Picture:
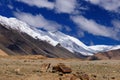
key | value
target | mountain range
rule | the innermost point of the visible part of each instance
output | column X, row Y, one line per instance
column 17, row 37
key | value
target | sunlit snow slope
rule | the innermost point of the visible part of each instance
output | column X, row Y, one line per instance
column 54, row 38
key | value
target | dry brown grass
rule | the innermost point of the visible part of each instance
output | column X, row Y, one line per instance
column 29, row 68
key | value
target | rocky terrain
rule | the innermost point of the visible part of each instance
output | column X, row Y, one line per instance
column 109, row 55
column 42, row 68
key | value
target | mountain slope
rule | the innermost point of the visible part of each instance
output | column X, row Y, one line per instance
column 14, row 42
column 70, row 43
column 113, row 54
column 76, row 46
column 23, row 27
column 54, row 38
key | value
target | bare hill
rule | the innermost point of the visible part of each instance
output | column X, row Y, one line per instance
column 110, row 55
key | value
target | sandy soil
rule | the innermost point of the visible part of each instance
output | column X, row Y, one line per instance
column 29, row 68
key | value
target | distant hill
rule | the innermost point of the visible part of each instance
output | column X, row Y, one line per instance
column 113, row 54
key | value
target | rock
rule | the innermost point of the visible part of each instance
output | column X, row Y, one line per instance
column 45, row 67
column 82, row 76
column 94, row 76
column 112, row 77
column 62, row 68
column 18, row 71
column 60, row 74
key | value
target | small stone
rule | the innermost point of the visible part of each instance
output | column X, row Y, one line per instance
column 60, row 74
column 112, row 77
column 17, row 70
column 94, row 76
column 45, row 67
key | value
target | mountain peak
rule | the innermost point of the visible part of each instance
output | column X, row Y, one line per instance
column 23, row 27
column 68, row 42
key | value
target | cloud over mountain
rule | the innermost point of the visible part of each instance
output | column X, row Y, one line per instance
column 88, row 20
column 38, row 21
column 94, row 28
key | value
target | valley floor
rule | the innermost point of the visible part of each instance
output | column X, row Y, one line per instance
column 29, row 68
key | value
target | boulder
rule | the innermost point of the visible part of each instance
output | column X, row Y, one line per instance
column 62, row 68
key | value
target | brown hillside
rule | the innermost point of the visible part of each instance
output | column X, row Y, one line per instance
column 114, row 54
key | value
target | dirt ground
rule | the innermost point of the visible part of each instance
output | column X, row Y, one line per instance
column 30, row 68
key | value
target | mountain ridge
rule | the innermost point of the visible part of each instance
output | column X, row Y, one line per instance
column 54, row 38
column 18, row 43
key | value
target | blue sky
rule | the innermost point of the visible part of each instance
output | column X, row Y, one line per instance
column 94, row 22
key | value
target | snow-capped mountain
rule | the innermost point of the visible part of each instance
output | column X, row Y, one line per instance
column 75, row 45
column 70, row 43
column 23, row 27
column 54, row 38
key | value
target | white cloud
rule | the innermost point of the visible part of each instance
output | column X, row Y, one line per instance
column 38, row 21
column 60, row 6
column 116, row 23
column 94, row 28
column 111, row 5
column 65, row 6
column 39, row 3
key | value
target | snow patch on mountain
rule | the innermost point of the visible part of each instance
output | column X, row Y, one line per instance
column 115, row 47
column 54, row 38
column 70, row 43
column 23, row 27
column 100, row 48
